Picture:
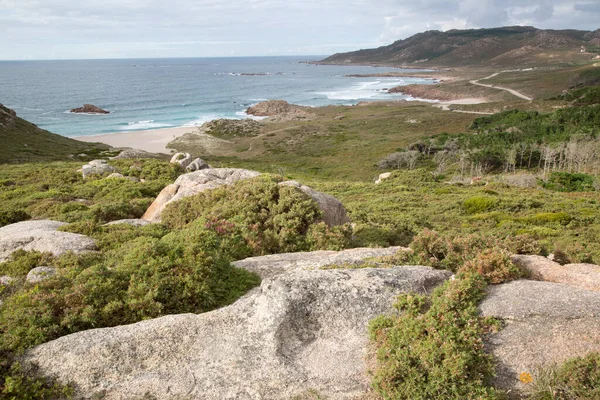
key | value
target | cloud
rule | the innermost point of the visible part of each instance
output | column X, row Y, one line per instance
column 197, row 28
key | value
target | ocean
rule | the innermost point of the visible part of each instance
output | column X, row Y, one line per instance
column 161, row 93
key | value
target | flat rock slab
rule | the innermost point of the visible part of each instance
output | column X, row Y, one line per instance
column 132, row 222
column 271, row 265
column 546, row 323
column 299, row 333
column 41, row 236
column 586, row 276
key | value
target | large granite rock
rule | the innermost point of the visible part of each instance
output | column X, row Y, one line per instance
column 89, row 109
column 586, row 276
column 197, row 165
column 334, row 212
column 545, row 323
column 97, row 167
column 182, row 159
column 41, row 236
column 300, row 333
column 194, row 183
column 137, row 154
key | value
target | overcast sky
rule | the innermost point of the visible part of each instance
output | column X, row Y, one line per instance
column 67, row 29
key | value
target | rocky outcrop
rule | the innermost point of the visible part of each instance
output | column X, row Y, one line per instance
column 545, row 323
column 136, row 153
column 39, row 274
column 41, row 236
column 280, row 110
column 230, row 128
column 586, row 276
column 334, row 212
column 193, row 183
column 132, row 222
column 275, row 264
column 8, row 117
column 182, row 159
column 300, row 333
column 197, row 165
column 89, row 109
column 97, row 167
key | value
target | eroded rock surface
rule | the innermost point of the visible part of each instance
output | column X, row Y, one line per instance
column 275, row 264
column 301, row 332
column 41, row 236
column 545, row 323
column 181, row 159
column 586, row 276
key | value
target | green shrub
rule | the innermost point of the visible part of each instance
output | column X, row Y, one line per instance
column 187, row 271
column 494, row 265
column 21, row 262
column 566, row 182
column 479, row 204
column 577, row 378
column 270, row 218
column 17, row 383
column 433, row 349
column 12, row 216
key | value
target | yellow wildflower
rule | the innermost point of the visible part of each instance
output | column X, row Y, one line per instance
column 526, row 377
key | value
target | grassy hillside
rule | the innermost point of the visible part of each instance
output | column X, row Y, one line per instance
column 499, row 47
column 23, row 141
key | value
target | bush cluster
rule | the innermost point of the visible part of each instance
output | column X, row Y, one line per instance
column 577, row 378
column 433, row 349
column 271, row 218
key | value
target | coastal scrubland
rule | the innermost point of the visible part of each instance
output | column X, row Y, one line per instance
column 465, row 192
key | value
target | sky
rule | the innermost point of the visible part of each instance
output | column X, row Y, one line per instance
column 81, row 29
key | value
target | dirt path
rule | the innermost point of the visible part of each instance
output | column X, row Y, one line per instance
column 511, row 91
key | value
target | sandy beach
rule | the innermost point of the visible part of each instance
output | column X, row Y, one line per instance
column 154, row 141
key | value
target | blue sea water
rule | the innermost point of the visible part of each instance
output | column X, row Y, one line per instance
column 160, row 93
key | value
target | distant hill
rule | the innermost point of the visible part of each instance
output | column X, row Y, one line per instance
column 506, row 46
column 22, row 141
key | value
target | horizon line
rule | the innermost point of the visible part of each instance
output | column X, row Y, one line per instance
column 160, row 58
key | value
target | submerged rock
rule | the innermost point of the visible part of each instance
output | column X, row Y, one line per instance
column 41, row 236
column 89, row 109
column 301, row 332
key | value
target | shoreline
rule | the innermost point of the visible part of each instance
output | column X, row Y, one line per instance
column 151, row 140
